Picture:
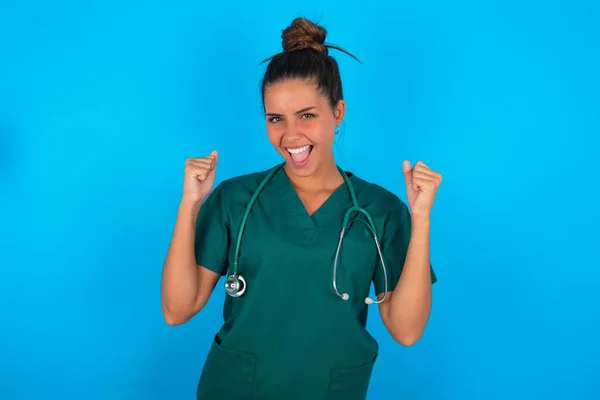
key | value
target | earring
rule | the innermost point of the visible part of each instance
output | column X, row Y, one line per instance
column 337, row 129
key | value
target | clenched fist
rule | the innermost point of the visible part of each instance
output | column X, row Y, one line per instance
column 199, row 177
column 422, row 184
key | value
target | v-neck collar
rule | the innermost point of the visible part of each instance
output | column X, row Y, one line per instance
column 296, row 211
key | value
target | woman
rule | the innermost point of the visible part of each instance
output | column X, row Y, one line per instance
column 295, row 316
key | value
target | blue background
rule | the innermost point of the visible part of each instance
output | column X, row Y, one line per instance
column 102, row 102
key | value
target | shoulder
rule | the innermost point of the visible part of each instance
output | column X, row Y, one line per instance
column 376, row 198
column 244, row 182
column 235, row 192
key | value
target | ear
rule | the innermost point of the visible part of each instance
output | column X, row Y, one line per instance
column 339, row 111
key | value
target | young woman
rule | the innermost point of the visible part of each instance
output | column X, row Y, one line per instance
column 297, row 283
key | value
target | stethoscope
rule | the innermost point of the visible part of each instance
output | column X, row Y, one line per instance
column 235, row 285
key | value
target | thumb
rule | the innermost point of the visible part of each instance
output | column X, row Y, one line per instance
column 406, row 168
column 213, row 172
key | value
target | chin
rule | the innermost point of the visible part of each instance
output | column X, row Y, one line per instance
column 304, row 170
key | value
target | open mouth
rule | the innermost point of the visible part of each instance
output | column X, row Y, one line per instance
column 300, row 154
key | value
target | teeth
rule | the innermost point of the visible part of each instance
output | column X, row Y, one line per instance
column 299, row 150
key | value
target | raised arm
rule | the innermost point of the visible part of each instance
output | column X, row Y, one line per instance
column 186, row 286
column 406, row 311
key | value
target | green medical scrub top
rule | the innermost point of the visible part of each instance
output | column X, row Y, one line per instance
column 290, row 336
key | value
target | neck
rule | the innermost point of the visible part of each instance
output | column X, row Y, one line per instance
column 326, row 177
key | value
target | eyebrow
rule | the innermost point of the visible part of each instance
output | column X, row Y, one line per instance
column 297, row 112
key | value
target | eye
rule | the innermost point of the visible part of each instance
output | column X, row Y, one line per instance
column 308, row 115
column 274, row 119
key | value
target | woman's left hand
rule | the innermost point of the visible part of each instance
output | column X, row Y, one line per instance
column 421, row 187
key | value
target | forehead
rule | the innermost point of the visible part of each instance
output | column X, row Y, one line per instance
column 293, row 95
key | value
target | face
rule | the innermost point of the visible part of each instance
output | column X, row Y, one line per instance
column 301, row 125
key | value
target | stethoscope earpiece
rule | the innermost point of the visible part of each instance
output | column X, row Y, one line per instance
column 368, row 300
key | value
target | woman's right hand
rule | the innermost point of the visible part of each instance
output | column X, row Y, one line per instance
column 199, row 177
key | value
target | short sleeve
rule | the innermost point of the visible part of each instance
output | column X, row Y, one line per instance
column 212, row 232
column 394, row 239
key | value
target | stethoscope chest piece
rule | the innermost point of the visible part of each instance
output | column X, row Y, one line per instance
column 235, row 285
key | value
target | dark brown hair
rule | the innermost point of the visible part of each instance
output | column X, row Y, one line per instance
column 306, row 56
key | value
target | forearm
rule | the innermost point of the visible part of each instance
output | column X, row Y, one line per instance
column 411, row 300
column 180, row 273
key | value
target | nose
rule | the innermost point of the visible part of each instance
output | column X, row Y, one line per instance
column 292, row 130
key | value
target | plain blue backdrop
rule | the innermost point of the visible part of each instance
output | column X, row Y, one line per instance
column 102, row 102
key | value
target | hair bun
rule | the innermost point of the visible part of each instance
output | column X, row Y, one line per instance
column 304, row 34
